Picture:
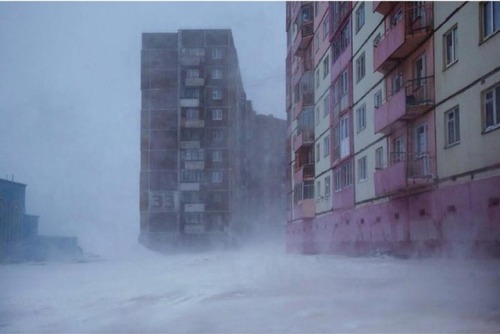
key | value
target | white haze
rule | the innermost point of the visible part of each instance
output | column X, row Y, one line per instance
column 259, row 289
column 70, row 102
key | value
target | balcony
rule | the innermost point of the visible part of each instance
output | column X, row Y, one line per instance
column 194, row 165
column 192, row 60
column 304, row 173
column 405, row 173
column 193, row 123
column 405, row 104
column 305, row 32
column 190, row 103
column 383, row 7
column 198, row 207
column 190, row 144
column 406, row 32
column 305, row 209
column 305, row 137
column 194, row 82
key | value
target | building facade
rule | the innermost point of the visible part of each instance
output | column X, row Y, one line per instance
column 194, row 139
column 412, row 128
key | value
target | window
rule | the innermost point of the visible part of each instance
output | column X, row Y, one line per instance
column 490, row 16
column 326, row 105
column 361, row 118
column 317, row 152
column 491, row 100
column 327, row 186
column 191, row 175
column 216, row 155
column 192, row 154
column 192, row 114
column 317, row 78
column 452, row 123
column 397, row 83
column 345, row 36
column 192, row 73
column 316, row 8
column 316, row 43
column 450, row 47
column 326, row 146
column 346, row 175
column 360, row 17
column 344, row 137
column 317, row 115
column 216, row 94
column 362, row 169
column 379, row 158
column 191, row 93
column 318, row 189
column 338, row 180
column 377, row 97
column 326, row 27
column 217, row 114
column 343, row 83
column 399, row 150
column 326, row 66
column 217, row 134
column 217, row 53
column 217, row 73
column 216, row 176
column 360, row 67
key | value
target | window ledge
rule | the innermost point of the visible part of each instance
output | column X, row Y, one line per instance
column 487, row 38
column 447, row 66
column 451, row 145
column 491, row 128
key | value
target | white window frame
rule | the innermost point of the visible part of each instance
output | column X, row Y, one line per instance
column 217, row 114
column 494, row 26
column 450, row 50
column 217, row 176
column 344, row 137
column 216, row 155
column 192, row 114
column 216, row 93
column 452, row 127
column 317, row 115
column 217, row 73
column 361, row 118
column 326, row 66
column 318, row 152
column 398, row 149
column 337, row 180
column 377, row 99
column 318, row 189
column 344, row 83
column 326, row 146
column 362, row 169
column 326, row 105
column 360, row 67
column 192, row 73
column 360, row 16
column 327, row 187
column 346, row 175
column 490, row 106
column 217, row 53
column 379, row 158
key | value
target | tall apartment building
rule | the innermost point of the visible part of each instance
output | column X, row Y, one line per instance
column 194, row 138
column 411, row 134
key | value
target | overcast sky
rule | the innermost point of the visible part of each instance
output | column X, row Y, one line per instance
column 70, row 100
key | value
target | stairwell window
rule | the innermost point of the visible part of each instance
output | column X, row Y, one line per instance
column 450, row 47
column 452, row 124
column 362, row 169
column 217, row 114
column 361, row 118
column 360, row 67
column 490, row 17
column 360, row 17
column 491, row 107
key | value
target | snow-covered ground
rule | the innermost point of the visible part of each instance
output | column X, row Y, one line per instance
column 256, row 289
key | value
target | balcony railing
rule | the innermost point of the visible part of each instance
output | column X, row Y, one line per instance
column 405, row 104
column 304, row 137
column 408, row 28
column 406, row 172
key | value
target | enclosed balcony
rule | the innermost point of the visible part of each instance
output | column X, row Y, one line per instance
column 193, row 123
column 190, row 102
column 406, row 172
column 383, row 7
column 407, row 29
column 305, row 30
column 304, row 206
column 405, row 104
column 194, row 82
column 304, row 173
column 305, row 209
column 304, row 137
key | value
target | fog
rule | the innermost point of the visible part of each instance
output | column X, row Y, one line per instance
column 70, row 102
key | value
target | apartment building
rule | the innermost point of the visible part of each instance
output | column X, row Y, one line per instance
column 194, row 139
column 413, row 119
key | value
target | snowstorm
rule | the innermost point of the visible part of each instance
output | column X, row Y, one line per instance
column 109, row 249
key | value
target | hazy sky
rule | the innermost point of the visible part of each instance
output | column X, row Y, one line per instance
column 70, row 100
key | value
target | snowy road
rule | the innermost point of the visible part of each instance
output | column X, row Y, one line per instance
column 253, row 290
